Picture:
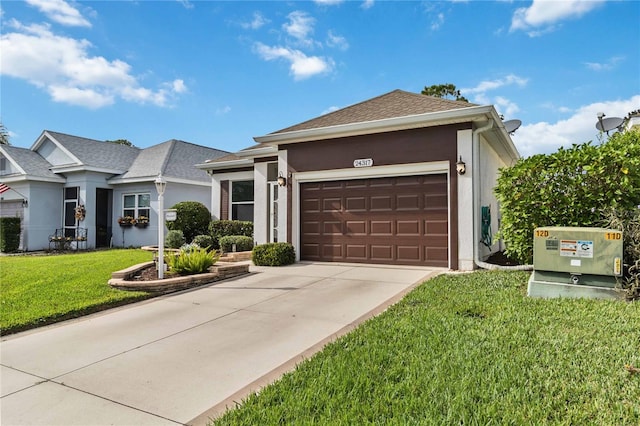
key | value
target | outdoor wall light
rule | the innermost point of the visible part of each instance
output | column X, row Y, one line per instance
column 282, row 181
column 461, row 167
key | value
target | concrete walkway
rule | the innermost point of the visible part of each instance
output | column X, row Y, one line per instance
column 183, row 358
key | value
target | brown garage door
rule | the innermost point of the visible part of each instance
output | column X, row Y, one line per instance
column 400, row 220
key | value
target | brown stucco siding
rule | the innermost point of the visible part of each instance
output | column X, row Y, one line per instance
column 224, row 200
column 392, row 148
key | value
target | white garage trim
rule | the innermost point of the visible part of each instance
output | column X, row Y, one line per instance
column 412, row 169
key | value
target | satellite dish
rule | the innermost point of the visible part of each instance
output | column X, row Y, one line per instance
column 512, row 125
column 610, row 123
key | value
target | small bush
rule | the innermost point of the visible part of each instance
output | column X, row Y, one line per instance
column 204, row 241
column 174, row 239
column 223, row 228
column 9, row 234
column 191, row 260
column 242, row 243
column 273, row 254
column 192, row 219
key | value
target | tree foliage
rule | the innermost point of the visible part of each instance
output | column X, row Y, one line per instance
column 571, row 187
column 192, row 219
column 4, row 135
column 445, row 91
column 121, row 142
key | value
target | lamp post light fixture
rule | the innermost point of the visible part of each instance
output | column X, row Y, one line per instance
column 161, row 185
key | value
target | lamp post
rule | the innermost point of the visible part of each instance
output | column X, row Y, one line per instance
column 161, row 185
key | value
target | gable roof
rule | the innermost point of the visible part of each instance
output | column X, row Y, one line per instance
column 92, row 153
column 396, row 103
column 31, row 165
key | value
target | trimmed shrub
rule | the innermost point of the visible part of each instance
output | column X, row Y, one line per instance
column 9, row 234
column 223, row 228
column 192, row 219
column 273, row 254
column 204, row 241
column 174, row 239
column 191, row 260
column 242, row 243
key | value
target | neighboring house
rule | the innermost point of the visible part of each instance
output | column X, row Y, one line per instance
column 375, row 182
column 62, row 172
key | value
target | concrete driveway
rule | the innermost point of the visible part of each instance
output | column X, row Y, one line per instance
column 182, row 358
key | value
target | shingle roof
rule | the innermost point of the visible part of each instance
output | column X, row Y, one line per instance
column 94, row 153
column 174, row 158
column 397, row 103
column 31, row 162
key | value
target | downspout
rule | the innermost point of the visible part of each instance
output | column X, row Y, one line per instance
column 475, row 171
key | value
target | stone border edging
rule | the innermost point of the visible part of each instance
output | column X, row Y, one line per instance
column 122, row 279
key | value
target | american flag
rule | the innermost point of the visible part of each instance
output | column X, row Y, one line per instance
column 4, row 188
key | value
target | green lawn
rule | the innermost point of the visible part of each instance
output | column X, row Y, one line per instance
column 468, row 349
column 37, row 290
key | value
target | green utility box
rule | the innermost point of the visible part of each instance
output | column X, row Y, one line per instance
column 576, row 262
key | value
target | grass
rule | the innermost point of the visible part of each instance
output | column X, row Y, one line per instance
column 39, row 290
column 468, row 349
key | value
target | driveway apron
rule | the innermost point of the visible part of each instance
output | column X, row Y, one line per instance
column 186, row 357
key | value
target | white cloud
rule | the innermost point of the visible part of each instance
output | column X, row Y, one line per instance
column 367, row 4
column 63, row 67
column 224, row 110
column 543, row 137
column 610, row 64
column 505, row 107
column 330, row 109
column 301, row 65
column 334, row 40
column 257, row 22
column 543, row 15
column 487, row 85
column 437, row 22
column 328, row 2
column 186, row 3
column 61, row 12
column 300, row 25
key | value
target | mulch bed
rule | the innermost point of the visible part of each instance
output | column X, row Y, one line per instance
column 501, row 259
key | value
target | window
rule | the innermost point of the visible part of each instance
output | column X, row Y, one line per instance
column 242, row 200
column 136, row 205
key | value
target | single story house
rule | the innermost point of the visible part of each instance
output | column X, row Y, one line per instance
column 402, row 178
column 77, row 184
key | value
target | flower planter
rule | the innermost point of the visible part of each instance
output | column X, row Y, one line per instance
column 126, row 225
column 141, row 225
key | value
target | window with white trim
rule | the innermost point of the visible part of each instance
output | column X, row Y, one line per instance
column 136, row 205
column 242, row 200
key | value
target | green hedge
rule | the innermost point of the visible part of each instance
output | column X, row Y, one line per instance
column 9, row 234
column 273, row 254
column 243, row 243
column 204, row 241
column 223, row 228
column 174, row 239
column 192, row 218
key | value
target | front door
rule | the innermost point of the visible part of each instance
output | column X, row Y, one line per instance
column 273, row 212
column 104, row 199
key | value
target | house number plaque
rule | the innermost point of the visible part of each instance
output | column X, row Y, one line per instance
column 363, row 162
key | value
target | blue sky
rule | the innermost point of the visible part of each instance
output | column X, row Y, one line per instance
column 219, row 73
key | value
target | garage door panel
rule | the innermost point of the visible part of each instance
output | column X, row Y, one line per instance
column 356, row 252
column 402, row 220
column 405, row 227
column 356, row 227
column 356, row 204
column 381, row 203
column 382, row 252
column 409, row 254
column 381, row 228
column 408, row 202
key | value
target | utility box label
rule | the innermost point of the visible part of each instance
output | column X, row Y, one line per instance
column 576, row 248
